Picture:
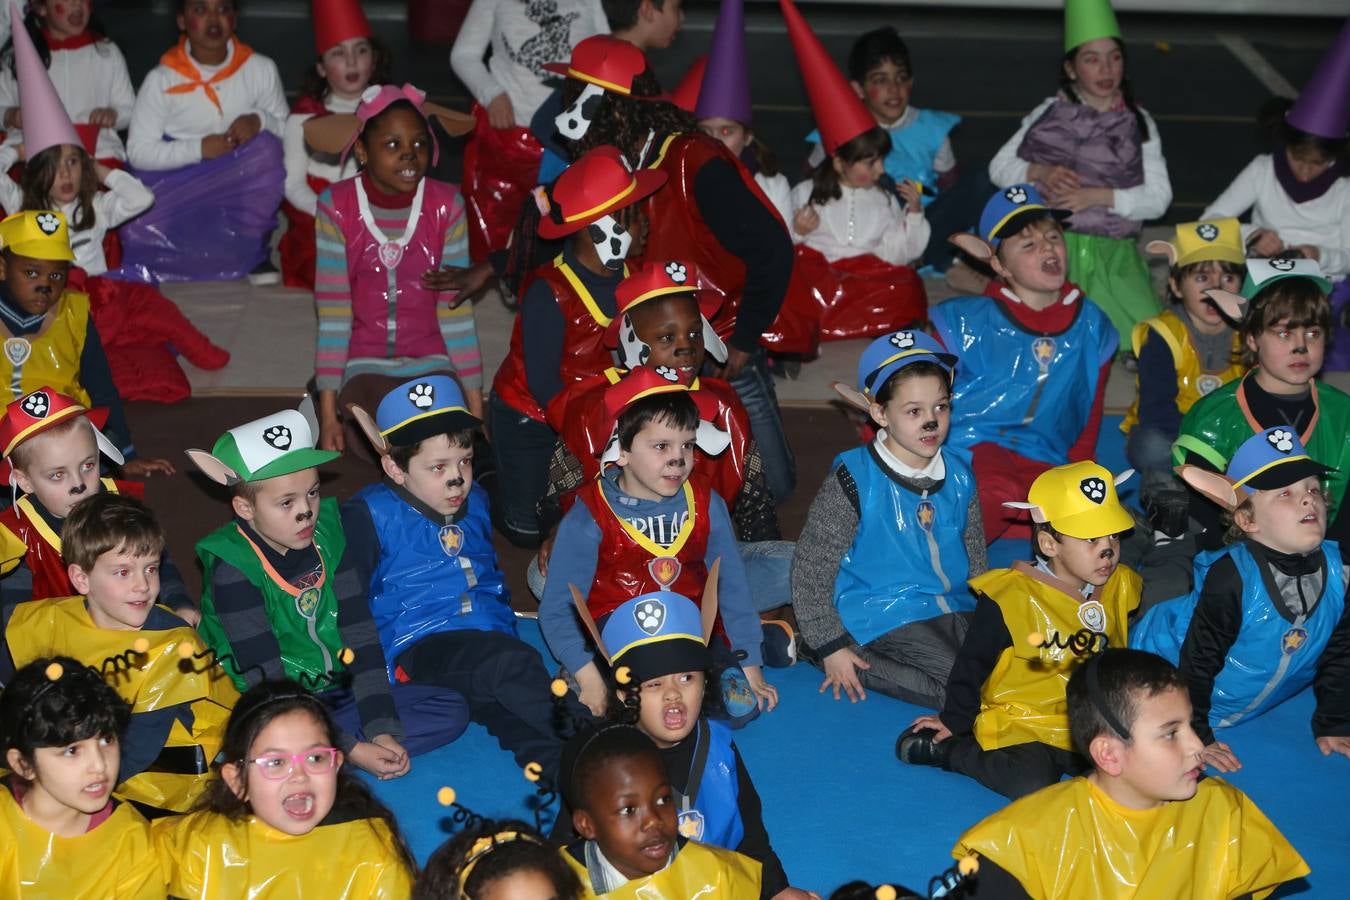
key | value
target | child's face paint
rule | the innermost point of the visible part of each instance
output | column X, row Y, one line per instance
column 733, row 135
column 209, row 25
column 1191, row 288
column 284, row 509
column 885, row 91
column 35, row 285
column 629, row 810
column 669, row 706
column 120, row 589
column 1034, row 261
column 1288, row 355
column 916, row 419
column 1079, row 561
column 347, row 67
column 440, row 474
column 78, row 776
column 61, row 470
column 1291, row 519
column 69, row 175
column 659, row 462
column 1161, row 761
column 673, row 328
column 295, row 804
column 1097, row 70
column 864, row 173
column 395, row 150
column 64, row 19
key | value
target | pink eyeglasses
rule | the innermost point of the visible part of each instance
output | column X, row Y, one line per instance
column 279, row 766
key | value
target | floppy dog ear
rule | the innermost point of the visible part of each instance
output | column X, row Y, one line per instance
column 708, row 605
column 1211, row 484
column 584, row 613
column 369, row 429
column 1232, row 307
column 1163, row 248
column 331, row 133
column 975, row 245
column 852, row 396
column 455, row 123
column 213, row 468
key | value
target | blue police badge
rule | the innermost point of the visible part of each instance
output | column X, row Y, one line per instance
column 452, row 538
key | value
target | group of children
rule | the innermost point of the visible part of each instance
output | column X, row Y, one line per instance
column 637, row 444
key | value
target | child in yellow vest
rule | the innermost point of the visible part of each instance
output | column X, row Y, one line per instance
column 1005, row 722
column 112, row 546
column 1141, row 823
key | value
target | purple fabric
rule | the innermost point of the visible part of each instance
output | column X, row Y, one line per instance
column 1303, row 191
column 1104, row 148
column 726, row 82
column 1338, row 354
column 1323, row 108
column 211, row 221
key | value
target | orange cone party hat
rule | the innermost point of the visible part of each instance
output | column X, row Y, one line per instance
column 336, row 21
column 840, row 115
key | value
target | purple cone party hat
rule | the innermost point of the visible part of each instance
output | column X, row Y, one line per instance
column 725, row 93
column 1323, row 108
column 45, row 120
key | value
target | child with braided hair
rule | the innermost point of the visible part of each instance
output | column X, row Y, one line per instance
column 497, row 860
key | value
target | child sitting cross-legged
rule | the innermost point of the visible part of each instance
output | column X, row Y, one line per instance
column 1142, row 822
column 1004, row 722
column 280, row 599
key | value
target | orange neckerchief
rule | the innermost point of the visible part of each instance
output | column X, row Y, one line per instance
column 181, row 62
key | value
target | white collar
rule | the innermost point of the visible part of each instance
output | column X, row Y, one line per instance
column 336, row 104
column 935, row 470
column 609, row 877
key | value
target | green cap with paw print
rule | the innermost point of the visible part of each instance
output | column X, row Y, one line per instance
column 269, row 447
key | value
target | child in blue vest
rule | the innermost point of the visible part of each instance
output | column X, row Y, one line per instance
column 1035, row 354
column 421, row 539
column 279, row 599
column 1268, row 616
column 879, row 578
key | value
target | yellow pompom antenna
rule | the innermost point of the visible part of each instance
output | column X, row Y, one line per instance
column 346, row 655
column 886, row 892
column 968, row 865
column 533, row 771
column 140, row 645
column 446, row 796
column 54, row 671
column 1036, row 639
column 186, row 650
column 623, row 675
column 559, row 688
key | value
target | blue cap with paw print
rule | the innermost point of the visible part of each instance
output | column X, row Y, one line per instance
column 1012, row 209
column 1271, row 459
column 890, row 353
column 422, row 408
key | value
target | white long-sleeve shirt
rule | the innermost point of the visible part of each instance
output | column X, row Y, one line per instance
column 125, row 198
column 87, row 78
column 1145, row 201
column 1323, row 223
column 187, row 118
column 779, row 192
column 301, row 163
column 523, row 34
column 863, row 220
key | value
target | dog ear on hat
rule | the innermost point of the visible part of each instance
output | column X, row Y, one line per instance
column 454, row 122
column 973, row 244
column 1163, row 248
column 852, row 396
column 1233, row 307
column 369, row 429
column 213, row 468
column 1212, row 485
column 1037, row 515
column 708, row 604
column 584, row 612
column 332, row 133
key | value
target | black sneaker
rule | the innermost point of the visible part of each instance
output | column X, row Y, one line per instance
column 918, row 748
column 265, row 274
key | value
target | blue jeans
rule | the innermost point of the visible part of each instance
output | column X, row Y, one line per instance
column 755, row 387
column 768, row 569
column 522, row 448
column 1149, row 451
column 955, row 210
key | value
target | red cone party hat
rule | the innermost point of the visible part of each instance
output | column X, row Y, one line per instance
column 839, row 113
column 336, row 21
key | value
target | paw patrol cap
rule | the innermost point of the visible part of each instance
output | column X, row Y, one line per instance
column 1262, row 273
column 1274, row 458
column 37, row 234
column 422, row 408
column 656, row 634
column 1078, row 499
column 890, row 353
column 1218, row 239
column 1012, row 209
column 269, row 447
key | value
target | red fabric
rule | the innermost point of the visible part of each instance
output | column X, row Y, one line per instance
column 1086, row 445
column 500, row 169
column 297, row 244
column 85, row 38
column 1003, row 476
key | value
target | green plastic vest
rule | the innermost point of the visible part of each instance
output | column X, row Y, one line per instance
column 305, row 622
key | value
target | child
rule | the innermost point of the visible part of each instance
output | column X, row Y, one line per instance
column 142, row 330
column 565, row 310
column 614, row 774
column 383, row 239
column 494, row 860
column 864, row 228
column 646, row 525
column 350, row 59
column 1285, row 320
column 52, row 446
column 284, row 814
column 113, row 545
column 1004, row 720
column 662, row 639
column 1035, row 355
column 205, row 137
column 277, row 601
column 64, row 834
column 1142, row 823
column 1279, row 584
column 421, row 542
column 1091, row 150
column 1298, row 194
column 87, row 70
column 1184, row 354
column 878, row 582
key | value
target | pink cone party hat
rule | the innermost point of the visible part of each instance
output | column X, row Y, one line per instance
column 1323, row 108
column 45, row 120
column 839, row 113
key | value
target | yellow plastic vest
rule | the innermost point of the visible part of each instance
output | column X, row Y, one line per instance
column 156, row 679
column 1193, row 381
column 116, row 859
column 51, row 357
column 1023, row 698
column 1071, row 841
column 209, row 857
column 699, row 870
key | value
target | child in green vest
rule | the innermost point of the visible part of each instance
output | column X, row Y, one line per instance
column 277, row 603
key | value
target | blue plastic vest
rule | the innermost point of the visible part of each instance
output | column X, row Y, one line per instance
column 908, row 561
column 433, row 578
column 1028, row 392
column 714, row 816
column 914, row 147
column 1272, row 658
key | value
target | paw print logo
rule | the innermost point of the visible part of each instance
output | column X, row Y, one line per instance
column 422, row 395
column 903, row 340
column 1282, row 265
column 279, row 436
column 668, row 373
column 1281, row 440
column 677, row 272
column 50, row 223
column 1207, row 231
column 37, row 404
column 649, row 615
column 1016, row 194
column 1093, row 488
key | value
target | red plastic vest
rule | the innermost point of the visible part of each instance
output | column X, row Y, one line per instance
column 583, row 340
